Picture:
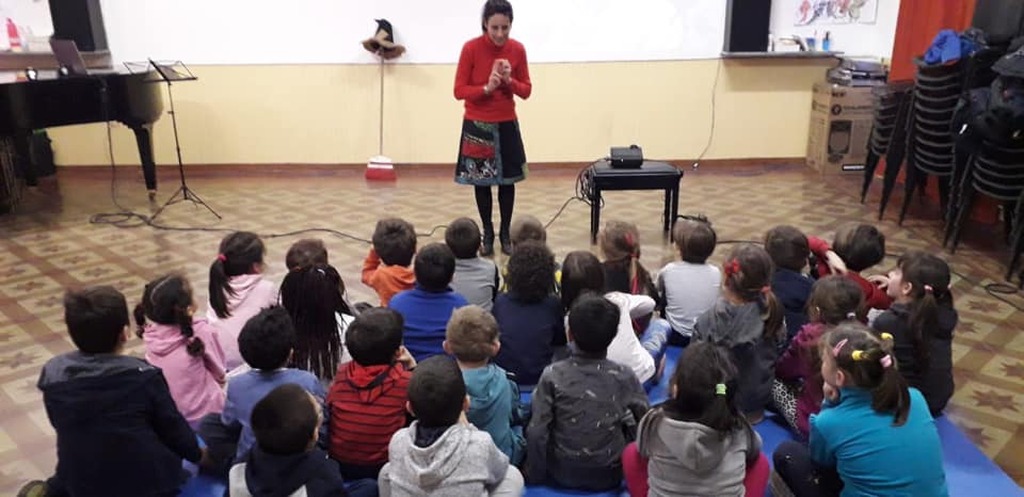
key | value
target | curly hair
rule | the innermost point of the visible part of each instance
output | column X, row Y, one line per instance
column 531, row 272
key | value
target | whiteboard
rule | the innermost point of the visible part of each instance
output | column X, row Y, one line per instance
column 433, row 31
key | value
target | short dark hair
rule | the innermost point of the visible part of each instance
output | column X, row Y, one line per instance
column 526, row 228
column 835, row 299
column 581, row 273
column 463, row 237
column 695, row 239
column 267, row 339
column 531, row 272
column 495, row 7
column 306, row 252
column 96, row 317
column 471, row 333
column 375, row 336
column 285, row 420
column 860, row 246
column 394, row 240
column 437, row 392
column 435, row 266
column 593, row 322
column 787, row 247
column 237, row 254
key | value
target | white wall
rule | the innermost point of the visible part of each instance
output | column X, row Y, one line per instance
column 874, row 40
column 32, row 13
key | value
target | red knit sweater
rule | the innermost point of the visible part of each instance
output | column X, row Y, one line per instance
column 874, row 297
column 367, row 406
column 475, row 65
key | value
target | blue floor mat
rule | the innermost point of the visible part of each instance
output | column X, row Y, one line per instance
column 969, row 472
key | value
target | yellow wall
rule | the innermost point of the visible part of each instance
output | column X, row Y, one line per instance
column 329, row 113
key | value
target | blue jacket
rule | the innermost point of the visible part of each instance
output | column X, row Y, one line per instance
column 426, row 316
column 118, row 430
column 531, row 335
column 792, row 289
column 872, row 456
column 245, row 390
column 493, row 402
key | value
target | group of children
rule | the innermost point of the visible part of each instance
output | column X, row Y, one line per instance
column 293, row 388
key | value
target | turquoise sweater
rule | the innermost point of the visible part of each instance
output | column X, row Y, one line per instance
column 872, row 456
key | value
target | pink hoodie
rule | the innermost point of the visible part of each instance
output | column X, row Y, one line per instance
column 252, row 293
column 196, row 382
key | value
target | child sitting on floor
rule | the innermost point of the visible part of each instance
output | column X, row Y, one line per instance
column 266, row 342
column 530, row 318
column 368, row 397
column 304, row 253
column 476, row 278
column 386, row 268
column 747, row 320
column 118, row 430
column 623, row 272
column 441, row 454
column 873, row 436
column 285, row 461
column 922, row 320
column 690, row 286
column 585, row 408
column 855, row 249
column 237, row 290
column 796, row 392
column 427, row 308
column 185, row 349
column 697, row 442
column 789, row 251
column 472, row 337
column 314, row 298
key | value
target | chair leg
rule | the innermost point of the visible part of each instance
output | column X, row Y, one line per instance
column 957, row 199
column 944, row 187
column 965, row 211
column 869, row 173
column 913, row 180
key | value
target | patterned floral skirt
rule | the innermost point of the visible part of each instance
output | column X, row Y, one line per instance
column 490, row 154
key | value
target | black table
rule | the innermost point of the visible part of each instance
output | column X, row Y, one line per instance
column 650, row 176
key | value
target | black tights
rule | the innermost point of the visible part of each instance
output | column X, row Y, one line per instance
column 506, row 200
column 803, row 477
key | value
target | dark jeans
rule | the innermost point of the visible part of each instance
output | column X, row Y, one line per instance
column 802, row 475
column 352, row 472
column 677, row 340
column 362, row 488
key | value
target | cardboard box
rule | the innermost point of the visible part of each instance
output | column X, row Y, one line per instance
column 841, row 118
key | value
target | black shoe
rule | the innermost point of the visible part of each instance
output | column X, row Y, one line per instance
column 506, row 244
column 487, row 246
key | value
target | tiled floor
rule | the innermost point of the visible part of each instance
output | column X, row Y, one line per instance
column 49, row 244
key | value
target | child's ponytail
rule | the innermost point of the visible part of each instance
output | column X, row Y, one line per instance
column 167, row 300
column 774, row 320
column 195, row 346
column 870, row 365
column 240, row 253
column 140, row 317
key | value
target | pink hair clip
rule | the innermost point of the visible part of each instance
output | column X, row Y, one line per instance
column 839, row 347
column 222, row 257
column 928, row 289
column 886, row 361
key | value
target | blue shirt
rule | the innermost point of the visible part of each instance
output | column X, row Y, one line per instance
column 872, row 456
column 245, row 390
column 426, row 316
column 530, row 334
column 792, row 289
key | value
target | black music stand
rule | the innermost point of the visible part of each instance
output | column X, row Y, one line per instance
column 173, row 72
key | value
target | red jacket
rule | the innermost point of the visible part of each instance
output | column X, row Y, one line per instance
column 475, row 65
column 367, row 407
column 874, row 297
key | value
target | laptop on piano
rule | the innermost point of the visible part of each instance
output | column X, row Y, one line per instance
column 67, row 55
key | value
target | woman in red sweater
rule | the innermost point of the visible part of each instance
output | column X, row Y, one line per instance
column 492, row 70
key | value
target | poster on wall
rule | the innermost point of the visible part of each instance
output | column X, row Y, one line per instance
column 823, row 12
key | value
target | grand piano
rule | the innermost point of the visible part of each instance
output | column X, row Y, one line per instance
column 50, row 101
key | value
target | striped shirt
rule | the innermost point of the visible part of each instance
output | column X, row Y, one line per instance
column 367, row 406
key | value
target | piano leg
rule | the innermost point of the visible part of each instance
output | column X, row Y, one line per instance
column 23, row 157
column 144, row 139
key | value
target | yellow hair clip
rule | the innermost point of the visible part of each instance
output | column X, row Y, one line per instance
column 720, row 389
column 857, row 355
column 887, row 337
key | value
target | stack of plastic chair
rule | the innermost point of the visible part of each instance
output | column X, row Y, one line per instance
column 937, row 90
column 997, row 171
column 888, row 131
column 1017, row 240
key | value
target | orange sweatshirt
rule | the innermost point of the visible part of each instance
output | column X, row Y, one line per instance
column 386, row 280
